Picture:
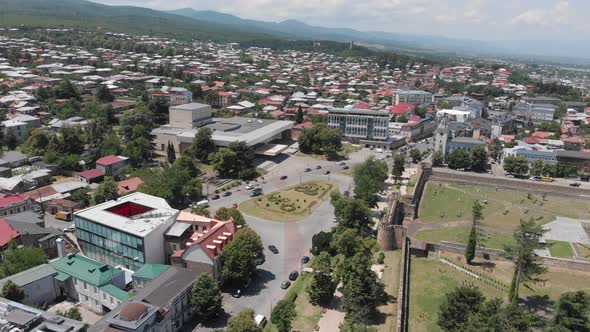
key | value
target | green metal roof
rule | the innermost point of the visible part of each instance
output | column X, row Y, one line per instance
column 150, row 271
column 86, row 269
column 116, row 292
column 62, row 276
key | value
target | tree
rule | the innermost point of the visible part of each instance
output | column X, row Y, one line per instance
column 72, row 313
column 240, row 256
column 12, row 292
column 106, row 191
column 402, row 118
column 437, row 159
column 10, row 139
column 459, row 159
column 103, row 94
column 322, row 287
column 398, row 167
column 111, row 144
column 360, row 288
column 224, row 213
column 516, row 165
column 16, row 260
column 299, row 115
column 66, row 90
column 537, row 168
column 572, row 313
column 351, row 212
column 346, row 242
column 457, row 306
column 139, row 151
column 243, row 322
column 203, row 145
column 70, row 162
column 477, row 212
column 170, row 153
column 283, row 314
column 495, row 149
column 71, row 140
column 206, row 298
column 320, row 242
column 368, row 180
column 320, row 139
column 527, row 265
column 244, row 156
column 479, row 159
column 416, row 155
column 224, row 161
column 201, row 211
column 36, row 143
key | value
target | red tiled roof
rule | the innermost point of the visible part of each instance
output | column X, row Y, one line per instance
column 7, row 233
column 362, row 105
column 40, row 192
column 542, row 134
column 12, row 199
column 108, row 160
column 531, row 140
column 304, row 125
column 207, row 241
column 91, row 173
column 402, row 108
column 129, row 185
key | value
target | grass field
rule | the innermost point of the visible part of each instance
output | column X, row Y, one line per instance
column 460, row 234
column 583, row 250
column 504, row 208
column 430, row 280
column 388, row 312
column 307, row 315
column 560, row 249
column 290, row 204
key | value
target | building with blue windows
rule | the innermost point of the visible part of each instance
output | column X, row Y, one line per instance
column 127, row 232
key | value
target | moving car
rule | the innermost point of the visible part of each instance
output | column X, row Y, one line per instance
column 345, row 167
column 318, row 167
column 342, row 164
column 256, row 192
column 284, row 177
column 203, row 203
column 575, row 184
column 69, row 229
column 273, row 249
column 285, row 284
column 226, row 194
column 260, row 321
column 305, row 259
column 214, row 197
column 327, row 172
column 293, row 275
column 547, row 179
column 249, row 187
column 307, row 170
column 237, row 293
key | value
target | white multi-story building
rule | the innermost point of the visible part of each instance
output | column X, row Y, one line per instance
column 361, row 126
column 415, row 97
column 127, row 232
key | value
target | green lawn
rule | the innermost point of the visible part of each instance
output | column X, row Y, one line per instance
column 583, row 250
column 560, row 249
column 460, row 234
column 290, row 204
column 443, row 202
column 307, row 315
column 390, row 281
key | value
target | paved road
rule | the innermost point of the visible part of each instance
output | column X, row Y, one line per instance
column 293, row 239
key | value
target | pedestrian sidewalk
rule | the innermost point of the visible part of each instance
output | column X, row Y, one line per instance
column 332, row 317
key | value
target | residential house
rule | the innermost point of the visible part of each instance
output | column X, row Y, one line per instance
column 17, row 317
column 112, row 165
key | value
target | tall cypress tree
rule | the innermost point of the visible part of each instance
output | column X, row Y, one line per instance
column 170, row 153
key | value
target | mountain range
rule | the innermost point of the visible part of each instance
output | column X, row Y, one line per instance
column 206, row 24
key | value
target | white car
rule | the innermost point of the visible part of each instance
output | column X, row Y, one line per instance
column 71, row 228
column 260, row 320
column 249, row 187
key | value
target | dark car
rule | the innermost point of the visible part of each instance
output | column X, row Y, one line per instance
column 305, row 259
column 318, row 167
column 227, row 193
column 293, row 275
column 345, row 167
column 285, row 284
column 307, row 170
column 327, row 172
column 237, row 293
column 273, row 249
column 256, row 192
column 214, row 197
column 575, row 184
column 284, row 177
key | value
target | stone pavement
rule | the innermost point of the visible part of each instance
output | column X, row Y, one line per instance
column 333, row 317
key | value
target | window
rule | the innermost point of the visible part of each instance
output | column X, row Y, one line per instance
column 111, row 299
column 95, row 290
column 85, row 286
column 104, row 296
column 95, row 302
column 75, row 282
column 85, row 298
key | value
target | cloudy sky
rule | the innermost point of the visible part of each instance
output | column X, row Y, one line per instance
column 475, row 19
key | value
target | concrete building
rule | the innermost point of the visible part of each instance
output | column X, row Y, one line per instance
column 581, row 160
column 186, row 120
column 38, row 283
column 17, row 317
column 531, row 155
column 128, row 231
column 95, row 285
column 415, row 97
column 465, row 143
column 361, row 126
column 20, row 124
column 473, row 106
column 536, row 112
column 112, row 165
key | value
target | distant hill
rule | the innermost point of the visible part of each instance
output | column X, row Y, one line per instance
column 128, row 19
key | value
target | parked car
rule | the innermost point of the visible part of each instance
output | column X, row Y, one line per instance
column 273, row 249
column 249, row 187
column 305, row 259
column 293, row 275
column 284, row 177
column 256, row 192
column 307, row 170
column 342, row 164
column 575, row 184
column 318, row 167
column 345, row 167
column 535, row 178
column 69, row 229
column 285, row 284
column 260, row 321
column 214, row 197
column 327, row 172
column 237, row 293
column 226, row 194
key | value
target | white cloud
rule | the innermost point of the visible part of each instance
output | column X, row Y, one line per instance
column 558, row 14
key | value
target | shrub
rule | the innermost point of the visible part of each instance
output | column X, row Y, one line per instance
column 381, row 258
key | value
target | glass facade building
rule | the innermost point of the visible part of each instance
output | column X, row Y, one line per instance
column 108, row 245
